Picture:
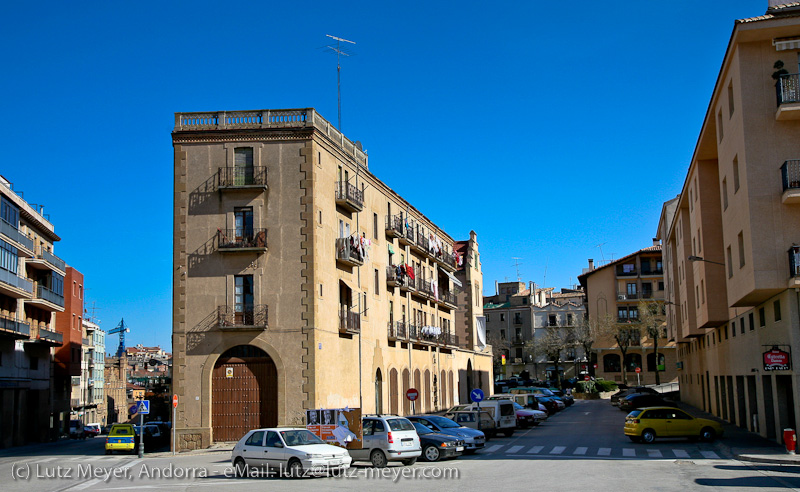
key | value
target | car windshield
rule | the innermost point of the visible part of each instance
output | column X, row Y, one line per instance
column 422, row 429
column 443, row 422
column 634, row 414
column 400, row 424
column 518, row 406
column 300, row 438
column 463, row 417
column 121, row 431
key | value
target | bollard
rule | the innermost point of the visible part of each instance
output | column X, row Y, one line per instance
column 790, row 440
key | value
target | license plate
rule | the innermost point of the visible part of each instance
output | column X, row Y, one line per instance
column 460, row 448
column 336, row 462
column 408, row 444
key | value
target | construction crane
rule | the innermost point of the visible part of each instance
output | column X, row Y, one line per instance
column 121, row 329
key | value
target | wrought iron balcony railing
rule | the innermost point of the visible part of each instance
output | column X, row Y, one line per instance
column 349, row 321
column 394, row 225
column 790, row 174
column 623, row 273
column 242, row 239
column 450, row 298
column 242, row 177
column 255, row 316
column 349, row 196
column 397, row 330
column 788, row 88
column 348, row 252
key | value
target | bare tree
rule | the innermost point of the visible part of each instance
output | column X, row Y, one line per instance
column 552, row 344
column 625, row 334
column 533, row 350
column 652, row 322
column 584, row 334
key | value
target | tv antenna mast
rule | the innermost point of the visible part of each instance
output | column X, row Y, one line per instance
column 516, row 265
column 340, row 51
column 601, row 251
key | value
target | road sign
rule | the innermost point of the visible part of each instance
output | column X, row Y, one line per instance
column 476, row 395
column 133, row 408
column 174, row 400
column 595, row 366
column 412, row 394
column 638, row 370
column 586, row 378
column 143, row 407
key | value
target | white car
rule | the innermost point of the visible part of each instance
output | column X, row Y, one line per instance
column 292, row 451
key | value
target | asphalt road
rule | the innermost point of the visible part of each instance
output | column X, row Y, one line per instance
column 581, row 448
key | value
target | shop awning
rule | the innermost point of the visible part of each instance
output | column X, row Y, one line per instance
column 453, row 278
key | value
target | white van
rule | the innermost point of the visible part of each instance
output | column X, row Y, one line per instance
column 503, row 413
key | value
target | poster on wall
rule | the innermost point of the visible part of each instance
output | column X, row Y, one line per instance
column 776, row 359
column 337, row 426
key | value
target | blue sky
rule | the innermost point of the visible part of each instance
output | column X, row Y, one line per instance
column 546, row 129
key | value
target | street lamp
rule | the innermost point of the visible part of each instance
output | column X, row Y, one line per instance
column 700, row 258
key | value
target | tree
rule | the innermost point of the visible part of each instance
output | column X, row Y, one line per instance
column 624, row 334
column 553, row 343
column 584, row 333
column 651, row 321
column 533, row 350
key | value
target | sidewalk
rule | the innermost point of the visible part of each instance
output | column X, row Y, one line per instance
column 220, row 447
column 744, row 445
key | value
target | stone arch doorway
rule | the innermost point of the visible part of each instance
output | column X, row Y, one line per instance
column 244, row 392
column 393, row 392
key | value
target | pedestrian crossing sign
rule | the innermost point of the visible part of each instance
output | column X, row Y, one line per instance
column 144, row 407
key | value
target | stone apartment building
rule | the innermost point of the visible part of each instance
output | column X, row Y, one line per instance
column 303, row 281
column 732, row 236
column 614, row 292
column 31, row 292
column 517, row 321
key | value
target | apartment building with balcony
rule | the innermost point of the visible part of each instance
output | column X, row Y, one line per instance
column 94, row 353
column 31, row 283
column 614, row 292
column 69, row 381
column 302, row 281
column 519, row 318
column 731, row 236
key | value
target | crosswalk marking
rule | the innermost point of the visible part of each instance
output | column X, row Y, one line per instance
column 558, row 449
column 653, row 453
column 709, row 455
column 494, row 448
column 46, row 460
column 604, row 452
column 580, row 451
column 628, row 452
column 679, row 453
column 514, row 449
column 535, row 449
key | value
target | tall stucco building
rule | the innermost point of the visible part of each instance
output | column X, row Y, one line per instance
column 615, row 292
column 31, row 292
column 731, row 237
column 303, row 281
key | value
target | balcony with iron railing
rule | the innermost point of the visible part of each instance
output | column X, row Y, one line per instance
column 790, row 178
column 652, row 272
column 787, row 90
column 627, row 296
column 242, row 178
column 14, row 328
column 244, row 317
column 50, row 337
column 621, row 272
column 397, row 330
column 447, row 298
column 46, row 260
column 15, row 286
column 398, row 279
column 423, row 287
column 21, row 239
column 421, row 243
column 43, row 293
column 241, row 240
column 394, row 226
column 409, row 236
column 447, row 260
column 349, row 196
column 349, row 321
column 348, row 251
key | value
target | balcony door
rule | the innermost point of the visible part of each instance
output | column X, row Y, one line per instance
column 243, row 220
column 243, row 166
column 243, row 299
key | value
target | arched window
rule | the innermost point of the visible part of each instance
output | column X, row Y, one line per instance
column 632, row 361
column 611, row 363
column 378, row 392
column 651, row 361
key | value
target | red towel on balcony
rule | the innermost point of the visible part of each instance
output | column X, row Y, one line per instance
column 410, row 272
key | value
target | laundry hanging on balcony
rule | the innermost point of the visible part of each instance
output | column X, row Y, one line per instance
column 435, row 289
column 431, row 331
column 391, row 249
column 410, row 271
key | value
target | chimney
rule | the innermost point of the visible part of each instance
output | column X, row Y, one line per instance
column 496, row 290
column 656, row 242
column 591, row 264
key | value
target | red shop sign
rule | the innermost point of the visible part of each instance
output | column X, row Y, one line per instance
column 776, row 360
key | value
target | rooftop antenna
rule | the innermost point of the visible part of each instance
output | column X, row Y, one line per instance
column 339, row 52
column 601, row 251
column 93, row 309
column 544, row 282
column 517, row 264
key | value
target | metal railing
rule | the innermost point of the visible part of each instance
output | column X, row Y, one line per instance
column 255, row 315
column 349, row 193
column 625, row 296
column 423, row 285
column 423, row 242
column 788, row 88
column 413, row 331
column 447, row 258
column 348, row 252
column 50, row 336
column 394, row 225
column 15, row 280
column 621, row 273
column 790, row 174
column 233, row 177
column 241, row 238
column 653, row 271
column 450, row 298
column 13, row 233
column 48, row 295
column 14, row 325
column 349, row 321
column 53, row 260
column 397, row 330
column 408, row 233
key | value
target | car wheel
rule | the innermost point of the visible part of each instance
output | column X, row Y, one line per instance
column 707, row 434
column 409, row 461
column 635, row 438
column 295, row 469
column 239, row 468
column 108, row 451
column 378, row 459
column 508, row 433
column 431, row 453
column 648, row 436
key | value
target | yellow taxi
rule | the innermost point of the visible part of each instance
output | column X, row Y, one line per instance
column 121, row 437
column 645, row 424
